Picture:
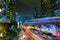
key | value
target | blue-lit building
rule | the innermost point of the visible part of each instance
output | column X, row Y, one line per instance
column 57, row 8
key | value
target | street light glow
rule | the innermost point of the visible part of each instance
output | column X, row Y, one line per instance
column 0, row 10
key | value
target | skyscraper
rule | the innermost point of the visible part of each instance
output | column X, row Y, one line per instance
column 10, row 9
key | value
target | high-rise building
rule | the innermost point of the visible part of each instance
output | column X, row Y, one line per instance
column 11, row 7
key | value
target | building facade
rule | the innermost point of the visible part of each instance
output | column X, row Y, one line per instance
column 57, row 8
column 10, row 9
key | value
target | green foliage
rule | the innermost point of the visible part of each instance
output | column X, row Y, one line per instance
column 48, row 7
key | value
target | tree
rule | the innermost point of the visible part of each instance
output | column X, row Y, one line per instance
column 48, row 7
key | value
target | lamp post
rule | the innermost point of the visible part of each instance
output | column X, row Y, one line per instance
column 18, row 19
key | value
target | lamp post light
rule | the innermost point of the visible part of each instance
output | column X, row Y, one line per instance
column 18, row 20
column 0, row 9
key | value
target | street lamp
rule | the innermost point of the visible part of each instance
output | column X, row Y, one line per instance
column 0, row 9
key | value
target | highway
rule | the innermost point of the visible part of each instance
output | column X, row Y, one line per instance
column 30, row 35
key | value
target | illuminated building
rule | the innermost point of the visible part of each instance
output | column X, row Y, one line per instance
column 10, row 9
column 57, row 8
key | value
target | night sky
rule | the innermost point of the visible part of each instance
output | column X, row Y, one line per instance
column 26, row 7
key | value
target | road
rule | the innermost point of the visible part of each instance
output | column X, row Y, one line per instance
column 29, row 35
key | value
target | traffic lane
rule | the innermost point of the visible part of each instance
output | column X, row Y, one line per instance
column 30, row 35
column 44, row 35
